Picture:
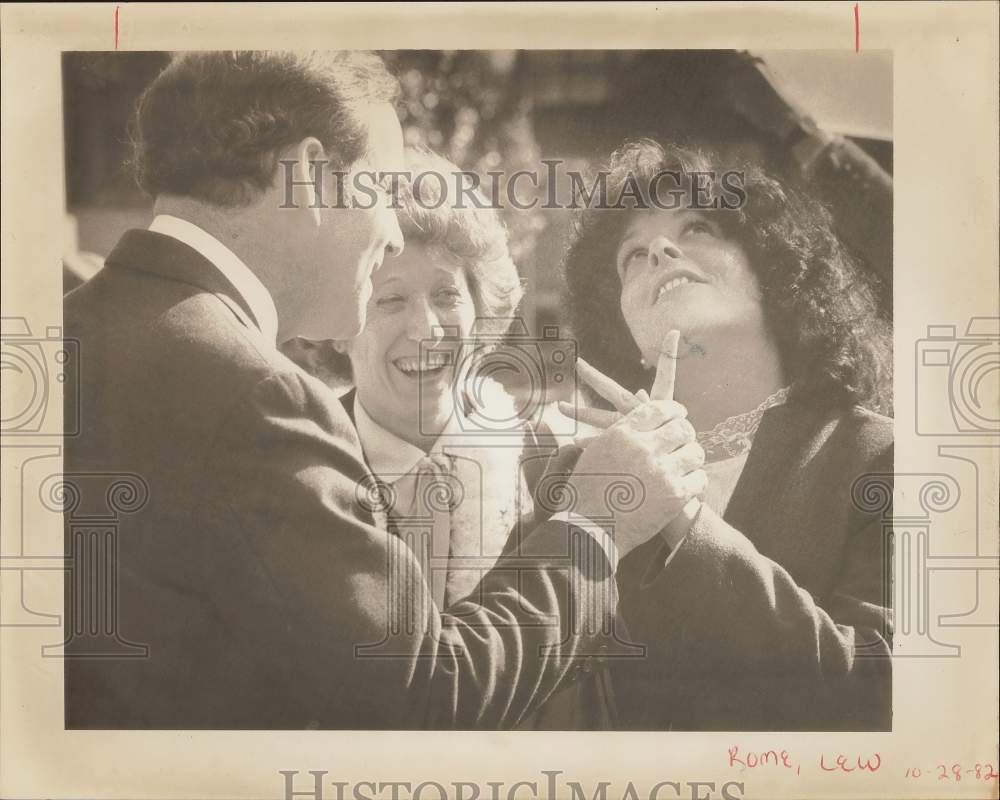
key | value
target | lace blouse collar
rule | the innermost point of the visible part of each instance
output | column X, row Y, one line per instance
column 733, row 436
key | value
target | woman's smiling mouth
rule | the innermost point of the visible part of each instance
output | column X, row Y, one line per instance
column 675, row 280
column 426, row 365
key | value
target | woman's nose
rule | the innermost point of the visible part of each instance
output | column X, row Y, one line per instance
column 394, row 246
column 661, row 251
column 423, row 322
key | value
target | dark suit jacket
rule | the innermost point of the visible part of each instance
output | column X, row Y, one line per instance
column 777, row 616
column 582, row 704
column 253, row 573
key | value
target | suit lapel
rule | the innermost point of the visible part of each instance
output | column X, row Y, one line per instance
column 166, row 257
column 347, row 399
column 776, row 451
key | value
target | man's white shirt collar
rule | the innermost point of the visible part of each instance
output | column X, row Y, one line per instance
column 229, row 264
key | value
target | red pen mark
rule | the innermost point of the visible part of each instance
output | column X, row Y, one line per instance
column 857, row 30
column 844, row 764
column 116, row 24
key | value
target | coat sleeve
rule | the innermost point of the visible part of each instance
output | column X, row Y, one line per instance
column 732, row 637
column 589, row 703
column 343, row 606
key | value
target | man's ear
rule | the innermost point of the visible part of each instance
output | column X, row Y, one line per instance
column 308, row 175
column 342, row 346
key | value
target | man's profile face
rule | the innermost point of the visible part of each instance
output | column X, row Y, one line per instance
column 357, row 233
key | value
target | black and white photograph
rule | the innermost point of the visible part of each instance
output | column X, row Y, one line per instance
column 471, row 389
column 450, row 410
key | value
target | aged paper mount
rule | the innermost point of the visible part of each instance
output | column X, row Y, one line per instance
column 944, row 741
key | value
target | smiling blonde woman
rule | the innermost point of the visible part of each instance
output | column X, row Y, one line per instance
column 427, row 414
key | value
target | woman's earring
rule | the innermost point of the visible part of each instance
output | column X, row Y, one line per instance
column 642, row 362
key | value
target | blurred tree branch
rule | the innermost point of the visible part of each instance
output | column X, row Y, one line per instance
column 471, row 107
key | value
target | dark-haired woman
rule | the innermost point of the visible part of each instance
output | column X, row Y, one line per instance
column 777, row 593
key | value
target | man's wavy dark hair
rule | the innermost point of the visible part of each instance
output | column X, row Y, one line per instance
column 835, row 346
column 212, row 125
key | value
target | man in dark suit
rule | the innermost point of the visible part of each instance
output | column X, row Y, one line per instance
column 253, row 574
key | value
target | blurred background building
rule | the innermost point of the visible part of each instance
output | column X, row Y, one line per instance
column 822, row 119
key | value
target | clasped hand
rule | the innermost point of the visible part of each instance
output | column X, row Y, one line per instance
column 648, row 437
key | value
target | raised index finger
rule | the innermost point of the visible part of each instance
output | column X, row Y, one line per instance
column 620, row 397
column 666, row 368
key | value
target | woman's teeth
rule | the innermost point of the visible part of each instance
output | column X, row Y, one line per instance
column 432, row 362
column 671, row 284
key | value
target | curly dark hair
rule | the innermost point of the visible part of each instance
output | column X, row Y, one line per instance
column 212, row 124
column 834, row 344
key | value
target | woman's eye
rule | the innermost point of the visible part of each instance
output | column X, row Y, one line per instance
column 700, row 226
column 390, row 301
column 449, row 298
